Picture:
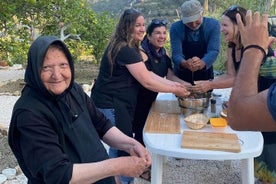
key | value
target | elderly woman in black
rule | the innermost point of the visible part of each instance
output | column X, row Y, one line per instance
column 55, row 131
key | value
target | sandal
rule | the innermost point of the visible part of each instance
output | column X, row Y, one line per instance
column 146, row 175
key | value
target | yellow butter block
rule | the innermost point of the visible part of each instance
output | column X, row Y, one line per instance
column 218, row 122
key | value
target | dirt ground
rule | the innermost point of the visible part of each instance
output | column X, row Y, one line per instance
column 7, row 158
column 85, row 73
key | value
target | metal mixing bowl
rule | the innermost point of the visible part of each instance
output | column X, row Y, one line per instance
column 194, row 103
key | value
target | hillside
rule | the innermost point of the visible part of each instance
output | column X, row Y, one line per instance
column 111, row 6
column 166, row 9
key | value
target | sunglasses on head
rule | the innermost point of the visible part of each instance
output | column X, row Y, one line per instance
column 159, row 22
column 130, row 12
column 233, row 8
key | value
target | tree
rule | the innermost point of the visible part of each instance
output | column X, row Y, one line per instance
column 73, row 21
column 85, row 31
column 7, row 11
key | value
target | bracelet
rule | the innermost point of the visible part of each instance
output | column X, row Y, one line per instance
column 256, row 47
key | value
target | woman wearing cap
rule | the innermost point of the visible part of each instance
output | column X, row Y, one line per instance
column 156, row 60
column 121, row 70
column 195, row 42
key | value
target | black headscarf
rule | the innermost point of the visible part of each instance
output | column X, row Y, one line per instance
column 36, row 56
column 68, row 120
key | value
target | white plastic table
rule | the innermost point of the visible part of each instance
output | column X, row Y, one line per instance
column 169, row 145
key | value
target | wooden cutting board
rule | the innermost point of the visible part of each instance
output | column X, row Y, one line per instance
column 158, row 122
column 166, row 106
column 211, row 141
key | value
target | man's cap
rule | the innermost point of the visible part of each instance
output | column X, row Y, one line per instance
column 191, row 10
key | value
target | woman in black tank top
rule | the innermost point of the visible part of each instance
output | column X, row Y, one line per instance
column 234, row 53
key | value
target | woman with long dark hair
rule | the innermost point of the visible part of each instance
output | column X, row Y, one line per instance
column 122, row 70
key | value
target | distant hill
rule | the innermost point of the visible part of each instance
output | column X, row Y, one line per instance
column 165, row 9
column 114, row 7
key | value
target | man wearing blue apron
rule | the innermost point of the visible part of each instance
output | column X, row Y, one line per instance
column 195, row 42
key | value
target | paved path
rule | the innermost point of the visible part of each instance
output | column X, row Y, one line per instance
column 11, row 74
column 7, row 102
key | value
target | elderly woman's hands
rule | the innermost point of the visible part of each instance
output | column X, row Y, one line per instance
column 131, row 166
column 140, row 151
column 137, row 163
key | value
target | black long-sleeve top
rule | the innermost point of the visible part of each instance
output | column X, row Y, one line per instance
column 49, row 133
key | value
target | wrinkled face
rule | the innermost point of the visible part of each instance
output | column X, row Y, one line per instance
column 158, row 37
column 229, row 29
column 139, row 29
column 56, row 73
column 196, row 24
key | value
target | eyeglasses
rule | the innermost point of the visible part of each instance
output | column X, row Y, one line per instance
column 159, row 22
